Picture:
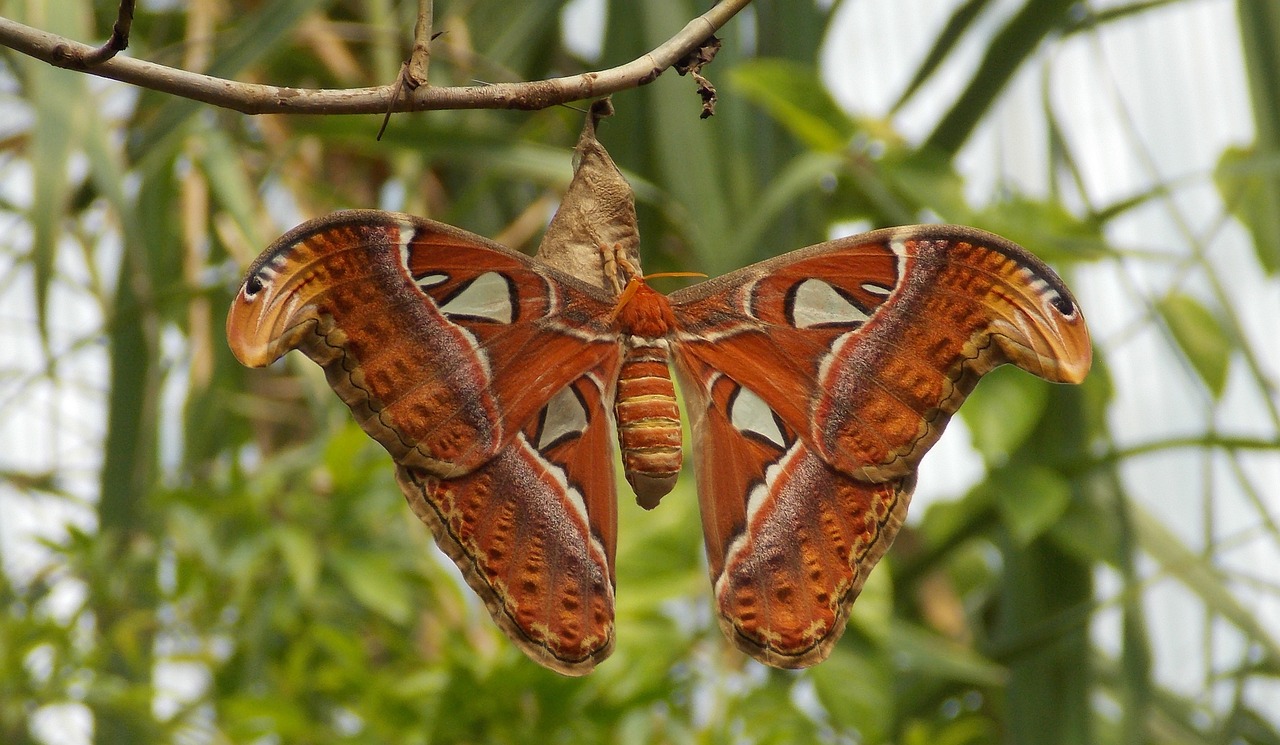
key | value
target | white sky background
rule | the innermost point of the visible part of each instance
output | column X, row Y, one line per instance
column 1168, row 83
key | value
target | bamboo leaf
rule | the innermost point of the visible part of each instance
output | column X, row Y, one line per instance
column 229, row 184
column 525, row 33
column 256, row 35
column 1046, row 227
column 688, row 155
column 58, row 98
column 1086, row 530
column 1042, row 633
column 924, row 181
column 798, row 180
column 960, row 21
column 492, row 148
column 1008, row 50
column 793, row 94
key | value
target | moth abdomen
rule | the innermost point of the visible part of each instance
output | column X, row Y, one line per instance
column 648, row 423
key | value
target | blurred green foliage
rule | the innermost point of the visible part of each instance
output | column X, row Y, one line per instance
column 268, row 555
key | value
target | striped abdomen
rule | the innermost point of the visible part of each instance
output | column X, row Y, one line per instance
column 648, row 422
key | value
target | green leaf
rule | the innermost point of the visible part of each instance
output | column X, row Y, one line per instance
column 1030, row 500
column 192, row 534
column 1254, row 199
column 964, row 730
column 798, row 180
column 347, row 455
column 873, row 611
column 1087, row 529
column 924, row 180
column 255, row 35
column 1006, row 54
column 301, row 555
column 961, row 20
column 924, row 652
column 58, row 100
column 375, row 581
column 953, row 521
column 793, row 94
column 229, row 183
column 856, row 692
column 768, row 714
column 1003, row 410
column 1249, row 181
column 1201, row 337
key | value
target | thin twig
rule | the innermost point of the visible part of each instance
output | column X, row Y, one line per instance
column 413, row 73
column 420, row 58
column 118, row 42
column 267, row 99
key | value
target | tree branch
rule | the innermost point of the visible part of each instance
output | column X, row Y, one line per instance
column 251, row 98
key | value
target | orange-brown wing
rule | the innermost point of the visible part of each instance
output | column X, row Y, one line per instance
column 443, row 343
column 533, row 530
column 489, row 379
column 790, row 540
column 849, row 358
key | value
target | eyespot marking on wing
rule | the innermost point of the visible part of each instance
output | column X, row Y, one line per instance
column 264, row 276
column 563, row 418
column 750, row 415
column 813, row 303
column 1051, row 295
column 488, row 297
column 1063, row 304
column 252, row 286
column 876, row 289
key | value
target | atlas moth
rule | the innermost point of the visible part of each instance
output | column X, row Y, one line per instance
column 814, row 382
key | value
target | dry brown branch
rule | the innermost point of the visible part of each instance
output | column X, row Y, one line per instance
column 267, row 99
column 419, row 60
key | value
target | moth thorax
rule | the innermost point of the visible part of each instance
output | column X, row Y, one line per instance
column 644, row 312
column 648, row 423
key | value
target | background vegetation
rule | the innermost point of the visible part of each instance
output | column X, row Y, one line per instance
column 223, row 557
